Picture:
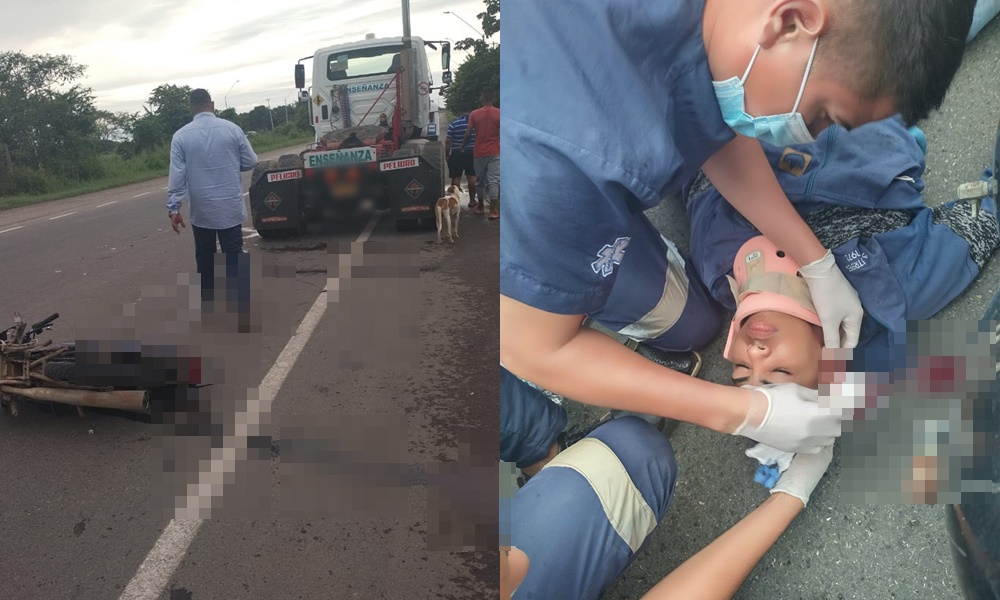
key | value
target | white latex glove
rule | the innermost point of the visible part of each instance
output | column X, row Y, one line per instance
column 837, row 304
column 788, row 417
column 804, row 473
column 767, row 455
column 847, row 393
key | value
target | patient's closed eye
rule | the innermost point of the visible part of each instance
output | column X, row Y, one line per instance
column 746, row 378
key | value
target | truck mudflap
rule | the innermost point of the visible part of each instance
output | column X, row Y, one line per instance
column 413, row 187
column 275, row 201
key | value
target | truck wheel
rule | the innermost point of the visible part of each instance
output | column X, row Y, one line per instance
column 290, row 161
column 261, row 167
column 433, row 153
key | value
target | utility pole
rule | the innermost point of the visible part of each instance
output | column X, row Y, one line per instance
column 270, row 112
column 409, row 84
column 285, row 102
column 226, row 97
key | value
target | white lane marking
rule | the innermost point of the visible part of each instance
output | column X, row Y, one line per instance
column 12, row 229
column 105, row 204
column 156, row 570
column 162, row 560
column 61, row 216
column 142, row 194
column 164, row 187
column 246, row 193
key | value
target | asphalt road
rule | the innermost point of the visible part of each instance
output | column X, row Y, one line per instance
column 832, row 551
column 394, row 373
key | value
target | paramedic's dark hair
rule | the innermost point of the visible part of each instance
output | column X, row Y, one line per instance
column 904, row 49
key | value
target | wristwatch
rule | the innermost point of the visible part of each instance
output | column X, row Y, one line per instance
column 173, row 212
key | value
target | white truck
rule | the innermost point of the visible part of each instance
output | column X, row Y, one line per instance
column 352, row 86
column 376, row 138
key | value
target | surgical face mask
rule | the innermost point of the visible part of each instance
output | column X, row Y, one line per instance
column 779, row 130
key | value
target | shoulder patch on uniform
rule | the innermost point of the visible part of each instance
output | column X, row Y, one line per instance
column 794, row 162
column 609, row 256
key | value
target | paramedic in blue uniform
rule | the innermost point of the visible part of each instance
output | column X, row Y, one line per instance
column 647, row 94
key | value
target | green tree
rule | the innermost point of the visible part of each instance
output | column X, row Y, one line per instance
column 302, row 119
column 258, row 119
column 171, row 106
column 479, row 71
column 490, row 21
column 114, row 128
column 230, row 114
column 46, row 118
column 147, row 132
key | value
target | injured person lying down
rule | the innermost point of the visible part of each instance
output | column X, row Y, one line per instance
column 775, row 335
column 862, row 194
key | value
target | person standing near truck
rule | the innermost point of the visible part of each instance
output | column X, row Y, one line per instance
column 484, row 123
column 460, row 157
column 206, row 158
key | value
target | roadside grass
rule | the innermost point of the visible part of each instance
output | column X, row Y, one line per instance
column 118, row 171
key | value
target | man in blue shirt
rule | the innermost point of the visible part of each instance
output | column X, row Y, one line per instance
column 637, row 97
column 206, row 158
column 460, row 159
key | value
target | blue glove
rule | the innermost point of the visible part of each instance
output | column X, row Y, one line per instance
column 767, row 475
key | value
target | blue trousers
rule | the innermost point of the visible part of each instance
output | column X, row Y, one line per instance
column 583, row 518
column 206, row 244
column 529, row 421
column 658, row 297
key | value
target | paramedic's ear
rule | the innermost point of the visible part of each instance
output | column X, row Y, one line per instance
column 789, row 18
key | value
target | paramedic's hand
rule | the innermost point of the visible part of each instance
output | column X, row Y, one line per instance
column 804, row 473
column 837, row 303
column 788, row 417
column 177, row 221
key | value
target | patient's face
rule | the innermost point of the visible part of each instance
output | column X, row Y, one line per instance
column 772, row 347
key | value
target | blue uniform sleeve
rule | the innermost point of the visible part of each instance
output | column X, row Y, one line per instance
column 567, row 226
column 613, row 108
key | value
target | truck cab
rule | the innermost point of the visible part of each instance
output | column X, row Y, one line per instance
column 368, row 153
column 353, row 85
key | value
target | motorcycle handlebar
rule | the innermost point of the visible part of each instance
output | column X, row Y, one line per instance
column 41, row 324
column 38, row 327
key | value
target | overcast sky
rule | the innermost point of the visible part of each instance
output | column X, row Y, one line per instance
column 131, row 47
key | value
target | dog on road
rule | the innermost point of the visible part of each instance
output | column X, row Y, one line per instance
column 447, row 210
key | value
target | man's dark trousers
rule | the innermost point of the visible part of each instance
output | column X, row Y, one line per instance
column 237, row 266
